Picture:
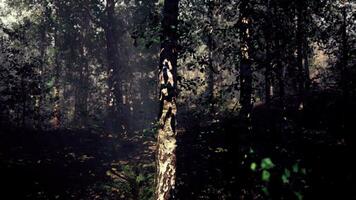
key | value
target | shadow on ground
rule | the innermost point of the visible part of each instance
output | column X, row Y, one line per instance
column 288, row 154
column 70, row 164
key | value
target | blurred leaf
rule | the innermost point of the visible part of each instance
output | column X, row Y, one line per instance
column 50, row 83
column 160, row 2
column 304, row 171
column 287, row 172
column 285, row 179
column 266, row 175
column 298, row 195
column 295, row 168
column 267, row 163
column 285, row 176
column 253, row 166
column 265, row 190
column 140, row 178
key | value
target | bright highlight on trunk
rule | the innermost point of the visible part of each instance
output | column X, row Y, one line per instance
column 166, row 144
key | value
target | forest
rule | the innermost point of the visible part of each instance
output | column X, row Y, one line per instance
column 177, row 99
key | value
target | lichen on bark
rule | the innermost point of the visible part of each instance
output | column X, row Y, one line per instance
column 166, row 143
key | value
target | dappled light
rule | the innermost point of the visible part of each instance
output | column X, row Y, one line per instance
column 177, row 99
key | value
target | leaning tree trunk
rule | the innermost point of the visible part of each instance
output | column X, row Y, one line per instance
column 166, row 144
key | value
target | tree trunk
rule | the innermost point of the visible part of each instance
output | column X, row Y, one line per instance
column 344, row 53
column 39, row 96
column 306, row 65
column 44, row 27
column 302, row 52
column 245, row 62
column 166, row 144
column 299, row 41
column 280, row 69
column 56, row 122
column 24, row 97
column 114, row 70
column 82, row 90
column 210, row 80
column 344, row 80
column 268, row 76
column 268, row 66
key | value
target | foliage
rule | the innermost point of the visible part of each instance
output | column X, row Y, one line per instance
column 88, row 69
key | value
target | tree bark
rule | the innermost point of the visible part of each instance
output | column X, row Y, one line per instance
column 39, row 96
column 268, row 66
column 302, row 49
column 82, row 90
column 245, row 62
column 166, row 144
column 24, row 97
column 56, row 107
column 114, row 69
column 210, row 80
column 344, row 53
column 344, row 75
column 279, row 69
column 302, row 52
column 299, row 41
column 306, row 65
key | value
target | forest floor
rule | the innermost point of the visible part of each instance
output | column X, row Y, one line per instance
column 280, row 158
column 308, row 164
column 286, row 154
column 75, row 164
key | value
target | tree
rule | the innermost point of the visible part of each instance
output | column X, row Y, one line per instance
column 210, row 44
column 166, row 144
column 82, row 90
column 268, row 57
column 112, row 55
column 245, row 61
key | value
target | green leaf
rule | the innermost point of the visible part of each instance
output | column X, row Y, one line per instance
column 50, row 83
column 267, row 163
column 140, row 178
column 251, row 151
column 128, row 171
column 298, row 195
column 266, row 175
column 253, row 166
column 285, row 176
column 295, row 168
column 265, row 190
column 287, row 172
column 285, row 179
column 160, row 2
